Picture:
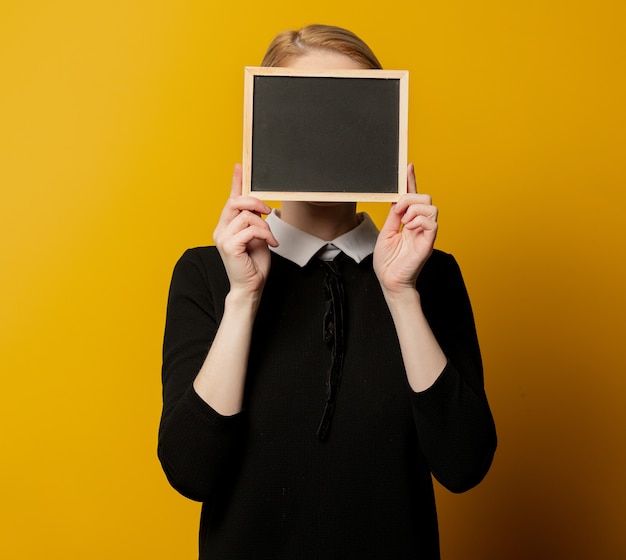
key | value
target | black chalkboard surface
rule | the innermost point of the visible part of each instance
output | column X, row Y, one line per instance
column 325, row 135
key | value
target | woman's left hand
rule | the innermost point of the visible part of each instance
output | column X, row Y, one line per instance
column 406, row 240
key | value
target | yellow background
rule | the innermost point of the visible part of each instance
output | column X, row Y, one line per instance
column 120, row 122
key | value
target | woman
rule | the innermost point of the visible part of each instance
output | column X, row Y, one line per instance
column 317, row 372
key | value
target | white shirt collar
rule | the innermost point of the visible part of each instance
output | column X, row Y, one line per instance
column 300, row 247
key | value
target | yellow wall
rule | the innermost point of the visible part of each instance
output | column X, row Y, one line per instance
column 119, row 125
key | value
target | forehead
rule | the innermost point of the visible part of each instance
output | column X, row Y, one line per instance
column 323, row 60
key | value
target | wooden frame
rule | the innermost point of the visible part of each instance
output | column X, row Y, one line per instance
column 340, row 136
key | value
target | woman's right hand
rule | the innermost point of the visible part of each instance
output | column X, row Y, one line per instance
column 242, row 237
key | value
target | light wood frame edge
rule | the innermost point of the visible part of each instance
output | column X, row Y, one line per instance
column 401, row 75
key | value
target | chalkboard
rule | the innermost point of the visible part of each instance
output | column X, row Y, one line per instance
column 325, row 135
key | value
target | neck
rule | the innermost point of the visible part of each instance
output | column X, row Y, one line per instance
column 324, row 220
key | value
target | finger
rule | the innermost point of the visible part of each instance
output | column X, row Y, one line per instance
column 414, row 210
column 239, row 204
column 249, row 220
column 407, row 200
column 243, row 220
column 424, row 223
column 244, row 237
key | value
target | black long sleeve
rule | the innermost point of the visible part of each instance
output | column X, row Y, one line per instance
column 455, row 426
column 270, row 487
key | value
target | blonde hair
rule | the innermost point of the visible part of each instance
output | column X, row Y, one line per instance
column 288, row 44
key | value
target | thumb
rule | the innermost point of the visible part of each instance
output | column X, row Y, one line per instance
column 235, row 187
column 410, row 179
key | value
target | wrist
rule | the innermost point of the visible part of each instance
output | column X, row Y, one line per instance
column 243, row 300
column 401, row 297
